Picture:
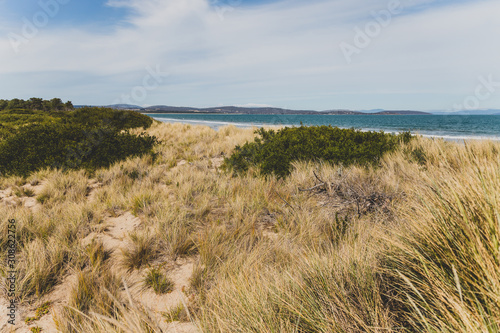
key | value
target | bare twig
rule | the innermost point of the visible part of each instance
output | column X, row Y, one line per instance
column 319, row 179
column 286, row 202
column 312, row 188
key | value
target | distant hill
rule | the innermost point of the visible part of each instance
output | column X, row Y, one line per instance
column 255, row 110
column 468, row 112
column 340, row 112
column 403, row 112
column 270, row 110
column 125, row 107
column 114, row 106
column 224, row 109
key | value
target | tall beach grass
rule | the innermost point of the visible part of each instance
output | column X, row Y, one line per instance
column 408, row 245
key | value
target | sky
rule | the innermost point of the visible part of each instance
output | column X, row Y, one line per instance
column 297, row 54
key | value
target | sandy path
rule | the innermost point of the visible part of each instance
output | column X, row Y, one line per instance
column 114, row 236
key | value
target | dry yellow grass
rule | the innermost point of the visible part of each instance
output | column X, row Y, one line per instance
column 410, row 245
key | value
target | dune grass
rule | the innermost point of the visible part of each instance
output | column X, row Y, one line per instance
column 410, row 244
column 156, row 280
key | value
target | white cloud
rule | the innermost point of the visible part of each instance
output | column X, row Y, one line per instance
column 285, row 54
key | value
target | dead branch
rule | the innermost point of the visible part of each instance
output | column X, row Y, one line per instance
column 319, row 179
column 286, row 202
column 322, row 183
column 312, row 188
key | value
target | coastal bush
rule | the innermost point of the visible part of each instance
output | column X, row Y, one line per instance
column 274, row 151
column 69, row 146
column 87, row 138
column 106, row 117
column 88, row 117
column 12, row 120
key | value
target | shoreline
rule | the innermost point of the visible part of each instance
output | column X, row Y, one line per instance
column 216, row 125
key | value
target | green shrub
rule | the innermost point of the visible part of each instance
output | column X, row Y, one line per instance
column 106, row 117
column 274, row 151
column 89, row 138
column 70, row 146
column 12, row 119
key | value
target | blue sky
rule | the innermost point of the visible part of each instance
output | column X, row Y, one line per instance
column 90, row 14
column 315, row 54
column 73, row 14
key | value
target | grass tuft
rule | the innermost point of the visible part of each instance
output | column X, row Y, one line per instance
column 96, row 290
column 97, row 254
column 140, row 252
column 157, row 281
column 178, row 313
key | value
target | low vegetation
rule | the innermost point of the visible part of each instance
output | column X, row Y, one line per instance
column 394, row 235
column 141, row 251
column 275, row 151
column 40, row 312
column 157, row 280
column 35, row 103
column 86, row 138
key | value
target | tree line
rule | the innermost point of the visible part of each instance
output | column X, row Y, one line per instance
column 34, row 103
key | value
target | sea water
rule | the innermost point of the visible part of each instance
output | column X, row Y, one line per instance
column 451, row 127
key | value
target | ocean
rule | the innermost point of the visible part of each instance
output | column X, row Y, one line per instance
column 451, row 127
